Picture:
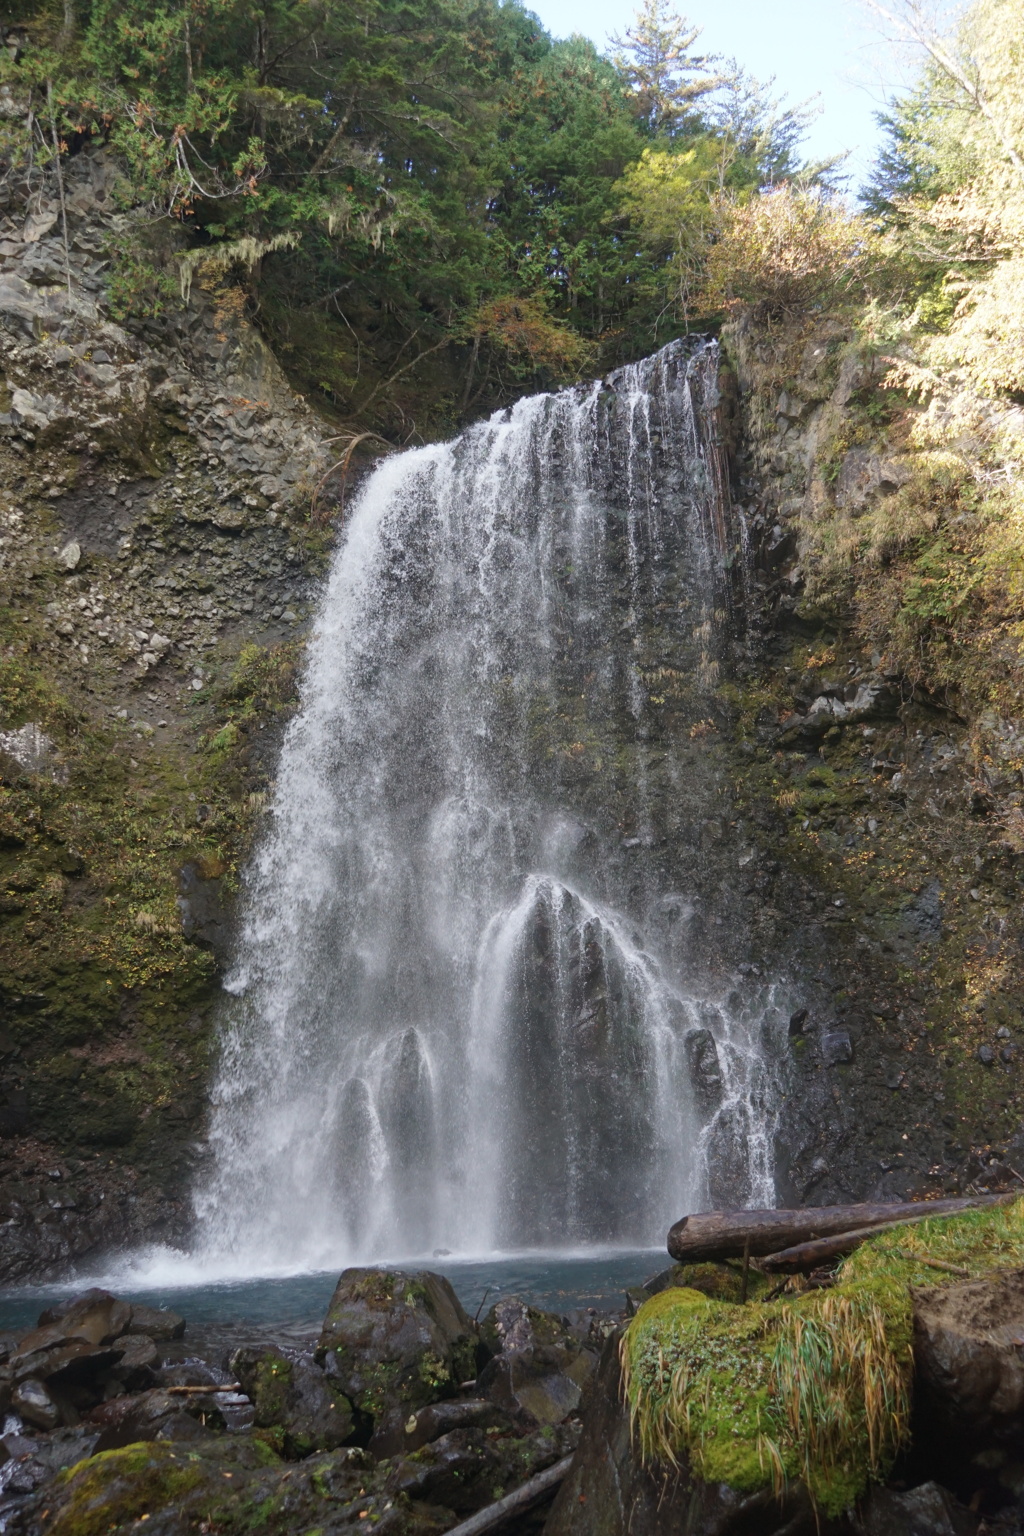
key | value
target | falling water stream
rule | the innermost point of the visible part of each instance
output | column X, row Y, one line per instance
column 458, row 1018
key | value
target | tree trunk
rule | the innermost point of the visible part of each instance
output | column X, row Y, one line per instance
column 804, row 1256
column 725, row 1234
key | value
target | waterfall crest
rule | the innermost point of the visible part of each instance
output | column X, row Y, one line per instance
column 462, row 1013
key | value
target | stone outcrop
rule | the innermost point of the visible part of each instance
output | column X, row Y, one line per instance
column 157, row 475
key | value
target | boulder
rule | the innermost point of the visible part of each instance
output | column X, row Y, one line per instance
column 396, row 1341
column 466, row 1469
column 96, row 1316
column 291, row 1394
column 34, row 1402
column 540, row 1368
column 924, row 1511
column 153, row 1415
column 403, row 1437
column 156, row 1322
column 969, row 1358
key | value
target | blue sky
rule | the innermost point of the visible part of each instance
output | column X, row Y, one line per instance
column 811, row 46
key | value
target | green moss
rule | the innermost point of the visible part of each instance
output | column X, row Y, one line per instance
column 762, row 1395
column 115, row 1488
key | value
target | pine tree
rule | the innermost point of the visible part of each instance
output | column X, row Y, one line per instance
column 666, row 78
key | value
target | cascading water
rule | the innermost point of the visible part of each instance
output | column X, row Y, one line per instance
column 462, row 1016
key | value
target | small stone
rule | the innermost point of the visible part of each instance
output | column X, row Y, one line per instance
column 836, row 1048
column 196, row 684
column 975, row 895
column 1007, row 1053
column 99, row 356
column 986, row 1055
column 70, row 555
column 1002, row 1033
column 31, row 1399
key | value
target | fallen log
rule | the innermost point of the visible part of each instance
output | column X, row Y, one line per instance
column 514, row 1503
column 802, row 1256
column 727, row 1234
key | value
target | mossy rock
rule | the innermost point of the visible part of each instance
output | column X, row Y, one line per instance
column 294, row 1398
column 396, row 1342
column 812, row 1389
column 722, row 1282
column 233, row 1486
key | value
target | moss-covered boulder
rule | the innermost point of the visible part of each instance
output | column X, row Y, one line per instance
column 294, row 1400
column 396, row 1342
column 713, row 1416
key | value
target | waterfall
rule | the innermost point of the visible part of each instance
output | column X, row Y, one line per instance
column 464, row 1012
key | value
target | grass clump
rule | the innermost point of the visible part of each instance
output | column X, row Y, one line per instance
column 816, row 1389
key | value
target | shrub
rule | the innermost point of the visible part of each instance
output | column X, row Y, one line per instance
column 786, row 250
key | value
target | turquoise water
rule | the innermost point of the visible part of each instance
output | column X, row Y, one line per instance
column 296, row 1304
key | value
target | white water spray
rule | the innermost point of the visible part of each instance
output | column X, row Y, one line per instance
column 453, row 1023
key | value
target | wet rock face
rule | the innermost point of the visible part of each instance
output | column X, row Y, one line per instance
column 396, row 1342
column 539, row 1370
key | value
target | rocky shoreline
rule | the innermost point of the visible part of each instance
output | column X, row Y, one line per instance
column 404, row 1412
column 407, row 1414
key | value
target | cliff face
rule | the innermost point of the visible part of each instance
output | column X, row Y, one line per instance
column 155, row 569
column 886, row 799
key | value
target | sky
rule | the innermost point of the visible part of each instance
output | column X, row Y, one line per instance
column 811, row 46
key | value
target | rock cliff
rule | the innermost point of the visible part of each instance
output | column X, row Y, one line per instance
column 156, row 563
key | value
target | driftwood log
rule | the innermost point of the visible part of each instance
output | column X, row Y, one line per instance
column 803, row 1256
column 515, row 1503
column 729, row 1234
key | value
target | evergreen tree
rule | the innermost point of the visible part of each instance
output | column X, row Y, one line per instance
column 666, row 79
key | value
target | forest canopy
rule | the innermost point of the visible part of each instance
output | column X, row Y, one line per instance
column 435, row 204
column 392, row 180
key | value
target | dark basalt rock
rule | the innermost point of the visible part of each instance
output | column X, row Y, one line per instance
column 540, row 1369
column 153, row 1415
column 291, row 1394
column 705, row 1070
column 393, row 1341
column 925, row 1511
column 466, row 1469
column 396, row 1436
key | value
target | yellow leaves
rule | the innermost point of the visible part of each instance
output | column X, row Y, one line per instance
column 665, row 191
